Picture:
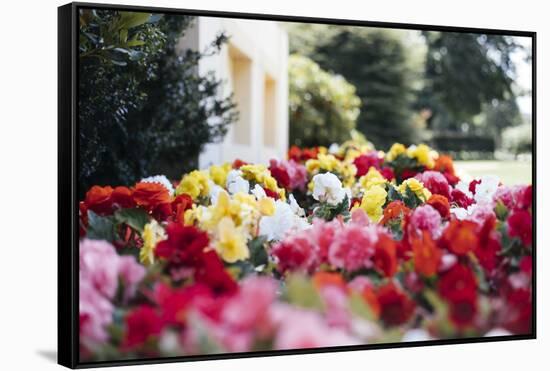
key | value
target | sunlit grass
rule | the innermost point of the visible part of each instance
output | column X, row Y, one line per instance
column 509, row 172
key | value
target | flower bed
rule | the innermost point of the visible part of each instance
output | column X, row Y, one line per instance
column 328, row 248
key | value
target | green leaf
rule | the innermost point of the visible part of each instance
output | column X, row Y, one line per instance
column 100, row 227
column 301, row 292
column 258, row 254
column 132, row 19
column 135, row 218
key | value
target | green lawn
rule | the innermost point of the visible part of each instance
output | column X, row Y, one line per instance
column 509, row 172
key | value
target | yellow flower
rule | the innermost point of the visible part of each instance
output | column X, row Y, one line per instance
column 261, row 175
column 423, row 154
column 372, row 178
column 266, row 206
column 373, row 200
column 395, row 150
column 416, row 187
column 152, row 234
column 231, row 241
column 195, row 184
column 218, row 173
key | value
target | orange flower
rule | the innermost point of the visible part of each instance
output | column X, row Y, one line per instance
column 384, row 258
column 444, row 164
column 441, row 204
column 122, row 196
column 427, row 255
column 151, row 195
column 180, row 204
column 394, row 210
column 460, row 237
column 98, row 199
column 324, row 279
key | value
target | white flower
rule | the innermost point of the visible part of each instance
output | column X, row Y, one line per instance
column 258, row 192
column 162, row 180
column 214, row 192
column 296, row 209
column 328, row 188
column 284, row 220
column 464, row 187
column 334, row 148
column 486, row 189
column 236, row 183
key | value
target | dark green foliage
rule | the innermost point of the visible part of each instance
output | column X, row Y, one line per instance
column 465, row 72
column 143, row 108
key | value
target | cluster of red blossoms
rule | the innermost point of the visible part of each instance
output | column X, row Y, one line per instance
column 410, row 252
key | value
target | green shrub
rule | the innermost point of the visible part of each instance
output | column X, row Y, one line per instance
column 143, row 108
column 518, row 139
column 323, row 108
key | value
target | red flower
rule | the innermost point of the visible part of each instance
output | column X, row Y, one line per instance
column 123, row 197
column 525, row 198
column 463, row 309
column 427, row 255
column 460, row 198
column 364, row 162
column 384, row 258
column 396, row 307
column 456, row 282
column 473, row 185
column 520, row 225
column 408, row 173
column 519, row 311
column 174, row 303
column 301, row 155
column 489, row 245
column 98, row 199
column 441, row 204
column 142, row 324
column 238, row 163
column 387, row 172
column 280, row 174
column 211, row 272
column 184, row 245
column 269, row 193
column 460, row 236
column 181, row 204
column 295, row 254
column 526, row 265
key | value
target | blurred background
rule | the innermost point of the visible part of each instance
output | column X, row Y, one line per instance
column 170, row 93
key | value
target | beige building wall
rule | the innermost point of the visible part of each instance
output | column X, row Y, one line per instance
column 253, row 65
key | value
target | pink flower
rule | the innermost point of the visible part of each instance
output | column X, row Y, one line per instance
column 96, row 313
column 299, row 328
column 435, row 182
column 296, row 253
column 353, row 247
column 99, row 266
column 425, row 218
column 290, row 174
column 131, row 273
column 322, row 233
column 248, row 308
column 336, row 306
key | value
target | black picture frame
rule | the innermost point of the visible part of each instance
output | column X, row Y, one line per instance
column 68, row 157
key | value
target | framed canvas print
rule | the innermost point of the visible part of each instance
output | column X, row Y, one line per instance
column 240, row 185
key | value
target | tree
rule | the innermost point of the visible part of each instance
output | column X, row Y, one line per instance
column 143, row 108
column 465, row 74
column 323, row 108
column 385, row 66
